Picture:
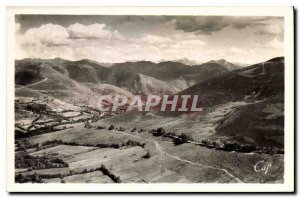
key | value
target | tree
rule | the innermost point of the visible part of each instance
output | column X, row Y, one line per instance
column 147, row 155
column 183, row 138
column 112, row 127
column 100, row 127
column 19, row 178
column 159, row 132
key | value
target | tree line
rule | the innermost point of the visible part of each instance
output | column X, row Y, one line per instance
column 38, row 178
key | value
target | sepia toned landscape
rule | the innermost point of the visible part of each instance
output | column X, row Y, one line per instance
column 61, row 136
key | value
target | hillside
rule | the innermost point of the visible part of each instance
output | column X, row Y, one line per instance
column 60, row 81
column 261, row 119
column 240, row 84
column 148, row 85
column 245, row 105
column 171, row 71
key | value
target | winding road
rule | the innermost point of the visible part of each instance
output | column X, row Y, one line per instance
column 33, row 83
column 183, row 160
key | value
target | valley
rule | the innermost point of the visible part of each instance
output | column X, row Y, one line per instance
column 62, row 137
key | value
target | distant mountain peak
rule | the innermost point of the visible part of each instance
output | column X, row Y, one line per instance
column 228, row 65
column 219, row 61
column 187, row 61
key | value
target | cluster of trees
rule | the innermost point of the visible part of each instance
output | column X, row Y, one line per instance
column 162, row 132
column 111, row 127
column 270, row 150
column 24, row 160
column 107, row 172
column 100, row 145
column 219, row 145
column 121, row 129
column 134, row 143
column 35, row 178
column 100, row 127
column 239, row 147
column 36, row 107
column 181, row 139
column 159, row 132
column 23, row 144
column 136, row 130
column 87, row 125
column 52, row 142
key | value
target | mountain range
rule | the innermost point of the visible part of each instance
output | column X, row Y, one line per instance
column 142, row 77
column 256, row 92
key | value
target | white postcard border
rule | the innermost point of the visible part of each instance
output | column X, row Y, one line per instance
column 287, row 186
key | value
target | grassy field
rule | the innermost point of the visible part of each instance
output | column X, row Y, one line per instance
column 239, row 164
column 64, row 150
column 95, row 158
column 199, row 125
column 50, row 171
column 93, row 177
column 82, row 135
column 186, row 163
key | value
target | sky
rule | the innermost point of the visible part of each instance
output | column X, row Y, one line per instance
column 112, row 39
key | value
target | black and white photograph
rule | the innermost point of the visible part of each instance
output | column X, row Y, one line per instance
column 180, row 96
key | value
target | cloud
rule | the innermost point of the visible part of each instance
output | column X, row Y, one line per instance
column 153, row 39
column 195, row 42
column 276, row 43
column 56, row 35
column 195, row 38
column 201, row 25
column 94, row 31
column 207, row 25
column 275, row 29
column 49, row 34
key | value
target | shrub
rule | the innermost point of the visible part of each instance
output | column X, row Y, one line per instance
column 183, row 138
column 100, row 127
column 159, row 132
column 112, row 127
column 147, row 155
